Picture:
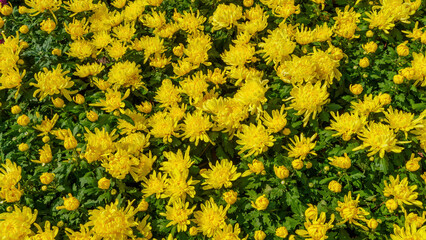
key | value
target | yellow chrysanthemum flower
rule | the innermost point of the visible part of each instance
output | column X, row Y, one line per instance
column 220, row 175
column 155, row 184
column 53, row 82
column 18, row 222
column 402, row 193
column 178, row 214
column 112, row 222
column 302, row 146
column 255, row 139
column 113, row 100
column 410, row 231
column 225, row 16
column 402, row 121
column 346, row 124
column 229, row 232
column 195, row 127
column 46, row 125
column 380, row 138
column 211, row 218
column 308, row 99
column 178, row 186
column 350, row 212
column 316, row 227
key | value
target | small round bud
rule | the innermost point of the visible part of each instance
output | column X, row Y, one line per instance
column 364, row 62
column 46, row 139
column 16, row 109
column 398, row 79
column 92, row 116
column 24, row 29
column 23, row 120
column 23, row 147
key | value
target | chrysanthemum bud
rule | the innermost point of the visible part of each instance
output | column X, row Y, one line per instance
column 281, row 172
column 92, row 116
column 281, row 232
column 230, row 197
column 335, row 186
column 104, row 183
column 58, row 102
column 372, row 223
column 248, row 3
column 356, row 89
column 369, row 33
column 402, row 49
column 47, row 178
column 23, row 120
column 16, row 109
column 79, row 99
column 297, row 164
column 364, row 62
column 23, row 147
column 24, row 29
column 392, row 205
column 6, row 10
column 259, row 235
column 143, row 205
column 261, row 203
column 45, row 139
column 398, row 79
column 57, row 52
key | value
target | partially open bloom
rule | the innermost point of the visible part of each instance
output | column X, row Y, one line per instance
column 47, row 178
column 370, row 47
column 230, row 197
column 261, row 203
column 259, row 234
column 45, row 155
column 113, row 100
column 356, row 89
column 409, row 231
column 343, row 162
column 48, row 25
column 316, row 227
column 281, row 232
column 413, row 165
column 350, row 212
column 23, row 120
column 70, row 203
column 402, row 193
column 335, row 186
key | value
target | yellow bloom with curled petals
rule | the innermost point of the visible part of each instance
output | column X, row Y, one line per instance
column 316, row 227
column 53, row 82
column 113, row 100
column 77, row 28
column 111, row 222
column 220, row 175
column 211, row 218
column 341, row 162
column 45, row 155
column 225, row 16
column 350, row 212
column 155, row 184
column 46, row 125
column 402, row 193
column 380, row 138
column 277, row 122
column 47, row 233
column 229, row 232
column 18, row 222
column 178, row 214
column 410, row 231
column 195, row 127
column 346, row 22
column 308, row 99
column 402, row 121
column 302, row 146
column 255, row 139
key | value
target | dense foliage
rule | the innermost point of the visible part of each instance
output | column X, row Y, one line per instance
column 206, row 119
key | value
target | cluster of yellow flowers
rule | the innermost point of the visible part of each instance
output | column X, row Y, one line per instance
column 116, row 51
